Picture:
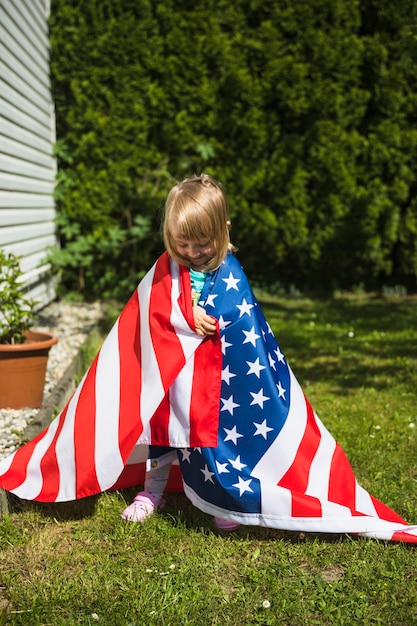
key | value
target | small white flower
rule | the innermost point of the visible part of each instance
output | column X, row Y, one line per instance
column 94, row 616
column 411, row 425
column 377, row 427
column 172, row 566
column 266, row 604
column 351, row 333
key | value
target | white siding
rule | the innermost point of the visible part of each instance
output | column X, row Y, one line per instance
column 27, row 135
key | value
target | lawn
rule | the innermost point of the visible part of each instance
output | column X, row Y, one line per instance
column 80, row 563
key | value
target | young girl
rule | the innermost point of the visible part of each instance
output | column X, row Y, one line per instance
column 196, row 234
column 192, row 369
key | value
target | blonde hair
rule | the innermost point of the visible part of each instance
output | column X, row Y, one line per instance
column 198, row 208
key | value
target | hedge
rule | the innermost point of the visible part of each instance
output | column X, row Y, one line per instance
column 306, row 111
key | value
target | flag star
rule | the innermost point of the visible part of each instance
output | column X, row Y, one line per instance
column 255, row 368
column 223, row 323
column 279, row 354
column 229, row 405
column 186, row 453
column 259, row 398
column 207, row 474
column 210, row 299
column 271, row 362
column 236, row 463
column 197, row 450
column 222, row 468
column 231, row 282
column 227, row 375
column 225, row 344
column 243, row 485
column 245, row 307
column 262, row 429
column 232, row 435
column 281, row 390
column 251, row 336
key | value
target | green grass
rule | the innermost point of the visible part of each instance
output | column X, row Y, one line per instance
column 80, row 563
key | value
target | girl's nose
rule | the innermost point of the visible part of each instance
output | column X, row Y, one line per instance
column 194, row 253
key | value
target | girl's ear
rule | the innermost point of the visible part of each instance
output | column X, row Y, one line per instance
column 228, row 223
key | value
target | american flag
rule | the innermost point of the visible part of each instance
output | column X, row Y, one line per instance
column 251, row 447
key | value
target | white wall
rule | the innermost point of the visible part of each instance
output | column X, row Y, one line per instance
column 27, row 135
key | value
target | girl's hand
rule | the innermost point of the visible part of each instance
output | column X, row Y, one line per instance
column 204, row 324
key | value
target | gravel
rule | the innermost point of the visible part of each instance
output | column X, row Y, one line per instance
column 71, row 323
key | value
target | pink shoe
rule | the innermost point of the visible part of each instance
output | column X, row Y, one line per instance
column 143, row 506
column 225, row 524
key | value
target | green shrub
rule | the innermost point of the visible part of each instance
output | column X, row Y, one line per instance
column 305, row 111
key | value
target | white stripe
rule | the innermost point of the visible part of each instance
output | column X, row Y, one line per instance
column 152, row 387
column 65, row 450
column 280, row 455
column 364, row 503
column 108, row 460
column 318, row 481
column 32, row 485
column 180, row 401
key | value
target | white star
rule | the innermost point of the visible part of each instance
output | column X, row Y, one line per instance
column 186, row 453
column 279, row 354
column 223, row 323
column 232, row 435
column 245, row 307
column 207, row 474
column 281, row 390
column 237, row 463
column 225, row 344
column 251, row 336
column 210, row 299
column 259, row 398
column 243, row 485
column 229, row 405
column 231, row 282
column 271, row 362
column 227, row 375
column 255, row 368
column 222, row 468
column 197, row 450
column 262, row 429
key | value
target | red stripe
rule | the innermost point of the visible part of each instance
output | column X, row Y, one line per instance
column 384, row 512
column 296, row 477
column 49, row 467
column 167, row 346
column 160, row 423
column 130, row 365
column 303, row 505
column 342, row 481
column 205, row 393
column 17, row 472
column 84, row 437
column 403, row 536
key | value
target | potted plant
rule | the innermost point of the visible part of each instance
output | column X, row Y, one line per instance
column 23, row 352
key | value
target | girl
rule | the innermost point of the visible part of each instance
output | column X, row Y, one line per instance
column 196, row 234
column 192, row 368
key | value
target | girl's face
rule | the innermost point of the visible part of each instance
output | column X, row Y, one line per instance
column 196, row 254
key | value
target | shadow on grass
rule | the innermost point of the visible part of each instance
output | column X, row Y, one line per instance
column 61, row 511
column 353, row 342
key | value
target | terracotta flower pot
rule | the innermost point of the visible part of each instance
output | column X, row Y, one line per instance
column 23, row 371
